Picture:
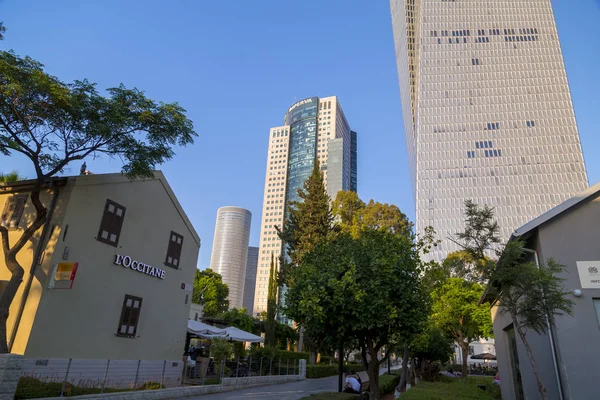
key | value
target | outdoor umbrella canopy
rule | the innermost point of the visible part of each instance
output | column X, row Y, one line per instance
column 200, row 328
column 238, row 335
column 483, row 356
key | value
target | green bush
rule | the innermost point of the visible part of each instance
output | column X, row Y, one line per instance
column 32, row 388
column 325, row 360
column 292, row 355
column 387, row 383
column 151, row 386
column 267, row 353
column 353, row 367
column 320, row 371
column 212, row 381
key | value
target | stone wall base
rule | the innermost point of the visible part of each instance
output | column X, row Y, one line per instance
column 10, row 372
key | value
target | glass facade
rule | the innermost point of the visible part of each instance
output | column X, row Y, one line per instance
column 302, row 118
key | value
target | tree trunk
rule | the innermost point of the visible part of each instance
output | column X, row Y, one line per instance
column 540, row 386
column 404, row 370
column 6, row 300
column 465, row 355
column 373, row 372
column 10, row 259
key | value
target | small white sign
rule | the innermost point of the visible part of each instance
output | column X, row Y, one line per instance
column 589, row 274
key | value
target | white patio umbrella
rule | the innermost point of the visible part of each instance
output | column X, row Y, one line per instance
column 201, row 329
column 238, row 335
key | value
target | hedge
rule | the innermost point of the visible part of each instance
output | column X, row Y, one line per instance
column 387, row 383
column 292, row 355
column 322, row 371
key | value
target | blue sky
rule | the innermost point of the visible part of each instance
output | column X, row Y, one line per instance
column 237, row 65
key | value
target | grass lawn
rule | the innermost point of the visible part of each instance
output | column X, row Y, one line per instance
column 463, row 389
column 330, row 396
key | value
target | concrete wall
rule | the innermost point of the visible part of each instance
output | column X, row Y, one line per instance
column 572, row 237
column 81, row 322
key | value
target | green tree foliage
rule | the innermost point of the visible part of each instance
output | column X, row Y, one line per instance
column 285, row 335
column 12, row 176
column 431, row 345
column 240, row 319
column 308, row 223
column 211, row 292
column 270, row 322
column 52, row 124
column 456, row 312
column 2, row 30
column 532, row 295
column 366, row 288
column 355, row 216
column 479, row 240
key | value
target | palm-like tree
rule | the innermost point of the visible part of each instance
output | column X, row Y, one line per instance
column 12, row 176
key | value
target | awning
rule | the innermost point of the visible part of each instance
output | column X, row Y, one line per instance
column 483, row 356
column 238, row 335
column 200, row 328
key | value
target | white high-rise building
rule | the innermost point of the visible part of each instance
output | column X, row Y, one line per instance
column 230, row 250
column 487, row 111
column 313, row 129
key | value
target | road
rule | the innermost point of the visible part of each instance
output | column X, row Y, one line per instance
column 284, row 391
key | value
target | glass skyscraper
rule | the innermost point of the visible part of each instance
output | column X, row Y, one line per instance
column 487, row 111
column 315, row 129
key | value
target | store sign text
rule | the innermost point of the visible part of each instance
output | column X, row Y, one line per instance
column 139, row 266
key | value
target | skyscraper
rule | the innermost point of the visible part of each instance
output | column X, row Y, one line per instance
column 487, row 111
column 230, row 250
column 250, row 280
column 313, row 129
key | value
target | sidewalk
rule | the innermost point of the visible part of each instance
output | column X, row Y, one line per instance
column 285, row 391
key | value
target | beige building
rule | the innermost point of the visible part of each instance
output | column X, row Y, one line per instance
column 314, row 129
column 112, row 270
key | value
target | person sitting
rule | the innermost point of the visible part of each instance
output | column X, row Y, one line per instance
column 352, row 383
column 496, row 379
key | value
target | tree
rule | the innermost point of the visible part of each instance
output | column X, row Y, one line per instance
column 346, row 207
column 2, row 30
column 431, row 345
column 240, row 319
column 52, row 124
column 211, row 292
column 456, row 311
column 271, row 305
column 12, row 176
column 308, row 223
column 355, row 216
column 532, row 295
column 366, row 288
column 479, row 241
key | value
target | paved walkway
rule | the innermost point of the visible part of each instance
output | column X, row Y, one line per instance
column 284, row 391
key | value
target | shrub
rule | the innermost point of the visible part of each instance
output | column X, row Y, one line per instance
column 320, row 371
column 292, row 355
column 325, row 360
column 212, row 381
column 267, row 352
column 354, row 367
column 151, row 386
column 430, row 372
column 387, row 383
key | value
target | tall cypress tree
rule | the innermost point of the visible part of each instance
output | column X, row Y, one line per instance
column 271, row 305
column 308, row 222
